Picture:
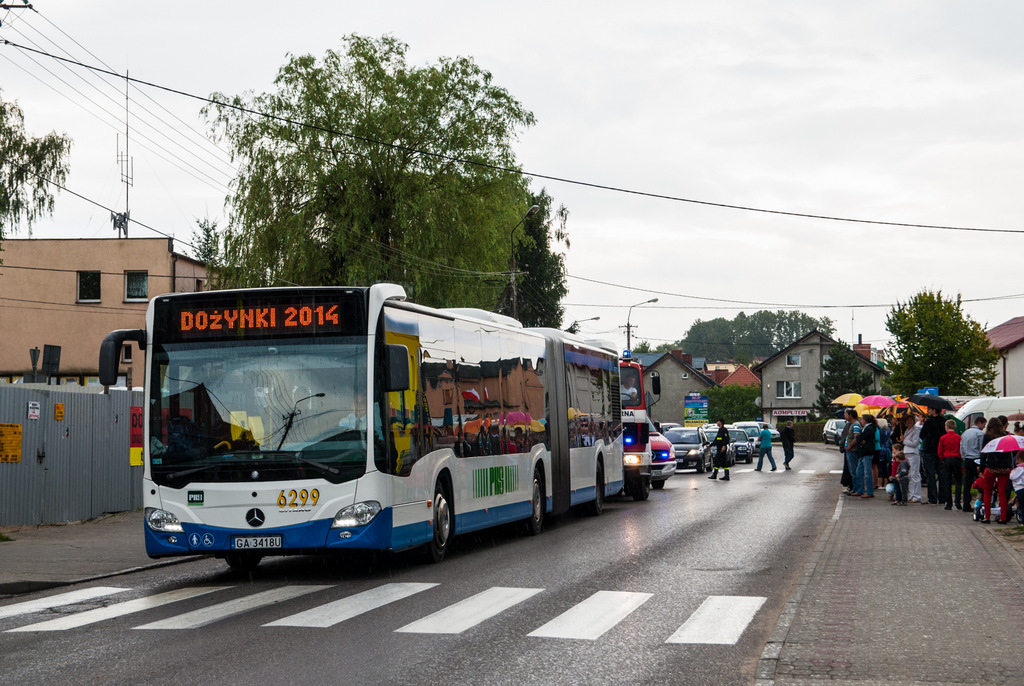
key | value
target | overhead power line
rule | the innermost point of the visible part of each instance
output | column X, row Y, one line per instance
column 510, row 170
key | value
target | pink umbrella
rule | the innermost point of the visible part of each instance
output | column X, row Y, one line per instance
column 877, row 401
column 1005, row 444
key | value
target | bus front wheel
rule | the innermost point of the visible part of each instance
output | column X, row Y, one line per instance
column 597, row 505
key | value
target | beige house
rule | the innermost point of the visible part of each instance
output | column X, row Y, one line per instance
column 73, row 292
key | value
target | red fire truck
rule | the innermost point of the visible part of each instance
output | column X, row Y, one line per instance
column 636, row 446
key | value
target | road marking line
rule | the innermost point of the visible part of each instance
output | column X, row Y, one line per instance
column 594, row 616
column 30, row 606
column 118, row 610
column 743, row 471
column 807, row 471
column 467, row 613
column 835, row 471
column 352, row 606
column 721, row 619
column 208, row 615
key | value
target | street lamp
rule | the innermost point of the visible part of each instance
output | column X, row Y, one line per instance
column 534, row 209
column 628, row 315
column 574, row 327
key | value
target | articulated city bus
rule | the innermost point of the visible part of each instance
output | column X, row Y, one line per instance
column 312, row 420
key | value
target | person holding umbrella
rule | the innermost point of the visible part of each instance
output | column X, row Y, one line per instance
column 999, row 455
column 971, row 443
column 933, row 429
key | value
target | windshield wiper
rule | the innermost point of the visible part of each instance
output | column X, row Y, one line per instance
column 312, row 463
column 194, row 470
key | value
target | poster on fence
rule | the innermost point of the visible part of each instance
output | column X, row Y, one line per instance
column 10, row 442
column 135, row 438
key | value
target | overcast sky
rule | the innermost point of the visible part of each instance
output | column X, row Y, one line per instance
column 891, row 111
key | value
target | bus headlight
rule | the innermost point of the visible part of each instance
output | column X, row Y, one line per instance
column 162, row 520
column 359, row 514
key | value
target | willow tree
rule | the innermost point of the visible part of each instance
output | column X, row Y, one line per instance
column 361, row 167
column 28, row 168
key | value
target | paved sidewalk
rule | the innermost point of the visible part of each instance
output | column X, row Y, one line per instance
column 40, row 557
column 903, row 595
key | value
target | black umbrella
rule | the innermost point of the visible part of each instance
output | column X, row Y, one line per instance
column 933, row 401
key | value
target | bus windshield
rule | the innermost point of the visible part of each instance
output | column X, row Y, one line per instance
column 264, row 410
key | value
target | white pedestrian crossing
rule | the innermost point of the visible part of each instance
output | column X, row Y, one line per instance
column 808, row 471
column 214, row 613
column 352, row 606
column 835, row 471
column 594, row 616
column 69, row 598
column 719, row 620
column 118, row 609
column 467, row 613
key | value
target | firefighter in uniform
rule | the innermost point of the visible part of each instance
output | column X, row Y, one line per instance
column 721, row 446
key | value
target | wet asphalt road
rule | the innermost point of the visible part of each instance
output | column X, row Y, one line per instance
column 692, row 540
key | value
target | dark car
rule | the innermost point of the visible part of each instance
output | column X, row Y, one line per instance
column 741, row 448
column 833, row 430
column 693, row 448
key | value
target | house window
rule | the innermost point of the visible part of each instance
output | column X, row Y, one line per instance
column 792, row 360
column 787, row 389
column 199, row 285
column 136, row 286
column 88, row 287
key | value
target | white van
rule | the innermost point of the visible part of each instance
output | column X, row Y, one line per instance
column 990, row 407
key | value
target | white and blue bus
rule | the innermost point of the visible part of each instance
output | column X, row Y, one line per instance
column 314, row 420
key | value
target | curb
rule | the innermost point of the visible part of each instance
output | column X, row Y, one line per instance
column 11, row 588
column 769, row 660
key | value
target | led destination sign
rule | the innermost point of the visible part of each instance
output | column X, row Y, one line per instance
column 261, row 315
column 300, row 318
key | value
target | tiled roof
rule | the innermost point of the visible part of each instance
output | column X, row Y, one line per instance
column 1008, row 334
column 742, row 377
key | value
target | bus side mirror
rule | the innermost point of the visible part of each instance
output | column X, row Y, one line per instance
column 396, row 368
column 110, row 352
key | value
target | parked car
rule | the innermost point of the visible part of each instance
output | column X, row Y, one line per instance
column 663, row 460
column 693, row 448
column 833, row 430
column 741, row 448
column 776, row 436
column 753, row 431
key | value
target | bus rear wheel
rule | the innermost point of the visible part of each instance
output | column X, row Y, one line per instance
column 597, row 505
column 444, row 524
column 536, row 521
column 243, row 562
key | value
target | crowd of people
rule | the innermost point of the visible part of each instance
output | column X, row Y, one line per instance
column 917, row 452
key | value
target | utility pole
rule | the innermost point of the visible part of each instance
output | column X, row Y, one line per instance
column 120, row 220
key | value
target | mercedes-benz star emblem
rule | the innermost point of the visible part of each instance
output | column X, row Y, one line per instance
column 255, row 517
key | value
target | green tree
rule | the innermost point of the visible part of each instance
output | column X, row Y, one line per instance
column 747, row 336
column 28, row 167
column 840, row 373
column 541, row 282
column 936, row 344
column 206, row 242
column 366, row 168
column 733, row 403
column 643, row 347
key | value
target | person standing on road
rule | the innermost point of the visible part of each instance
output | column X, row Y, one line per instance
column 931, row 432
column 852, row 463
column 970, row 450
column 788, row 439
column 951, row 470
column 766, row 449
column 721, row 445
column 846, row 479
column 911, row 441
column 866, row 453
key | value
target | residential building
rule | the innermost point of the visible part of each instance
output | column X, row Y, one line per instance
column 679, row 379
column 72, row 292
column 789, row 377
column 1007, row 339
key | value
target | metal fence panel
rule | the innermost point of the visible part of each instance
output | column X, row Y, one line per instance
column 72, row 468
